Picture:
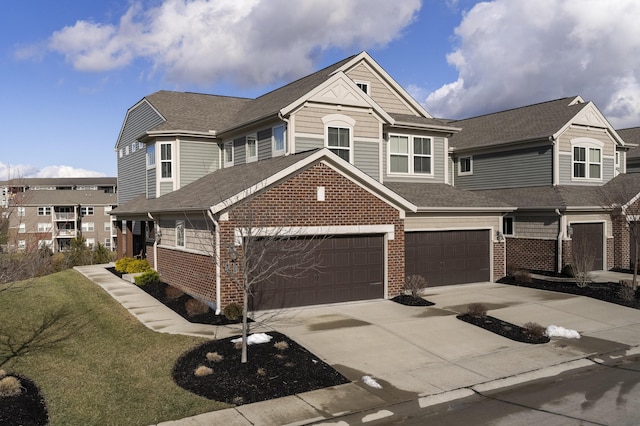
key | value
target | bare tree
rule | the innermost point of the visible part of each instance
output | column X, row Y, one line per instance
column 583, row 258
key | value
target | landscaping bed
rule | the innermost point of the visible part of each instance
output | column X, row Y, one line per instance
column 409, row 300
column 274, row 369
column 25, row 407
column 503, row 328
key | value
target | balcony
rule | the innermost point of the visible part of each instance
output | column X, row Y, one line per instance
column 64, row 216
column 62, row 233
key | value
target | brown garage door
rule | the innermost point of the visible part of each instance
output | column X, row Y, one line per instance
column 448, row 257
column 589, row 237
column 352, row 268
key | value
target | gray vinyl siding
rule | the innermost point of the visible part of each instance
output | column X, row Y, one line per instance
column 132, row 167
column 307, row 144
column 366, row 158
column 165, row 188
column 239, row 151
column 633, row 167
column 566, row 172
column 535, row 226
column 197, row 159
column 264, row 144
column 509, row 169
column 151, row 183
column 438, row 154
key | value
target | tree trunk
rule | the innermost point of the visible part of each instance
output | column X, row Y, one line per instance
column 245, row 324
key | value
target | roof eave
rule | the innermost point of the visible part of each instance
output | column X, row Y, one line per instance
column 465, row 209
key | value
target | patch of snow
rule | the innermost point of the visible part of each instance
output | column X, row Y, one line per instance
column 370, row 381
column 255, row 339
column 557, row 331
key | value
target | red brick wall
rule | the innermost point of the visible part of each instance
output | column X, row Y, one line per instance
column 532, row 254
column 621, row 251
column 610, row 253
column 291, row 203
column 499, row 256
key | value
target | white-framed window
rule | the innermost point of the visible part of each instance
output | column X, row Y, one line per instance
column 126, row 150
column 107, row 210
column 252, row 148
column 88, row 226
column 86, row 210
column 22, row 228
column 44, row 227
column 151, row 156
column 278, row 140
column 120, row 153
column 22, row 244
column 508, row 225
column 45, row 244
column 227, row 153
column 107, row 227
column 365, row 86
column 107, row 243
column 134, row 147
column 465, row 165
column 21, row 211
column 179, row 233
column 617, row 159
column 410, row 155
column 339, row 142
column 166, row 162
column 587, row 162
column 90, row 242
column 44, row 211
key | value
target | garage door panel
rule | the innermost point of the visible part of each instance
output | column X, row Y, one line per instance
column 449, row 257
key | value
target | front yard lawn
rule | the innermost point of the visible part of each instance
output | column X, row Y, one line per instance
column 112, row 370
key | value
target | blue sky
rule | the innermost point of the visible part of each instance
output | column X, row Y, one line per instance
column 71, row 70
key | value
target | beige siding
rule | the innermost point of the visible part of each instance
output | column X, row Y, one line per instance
column 309, row 120
column 387, row 99
column 583, row 132
column 539, row 226
column 443, row 222
column 197, row 236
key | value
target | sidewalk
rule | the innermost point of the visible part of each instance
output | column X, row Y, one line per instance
column 416, row 354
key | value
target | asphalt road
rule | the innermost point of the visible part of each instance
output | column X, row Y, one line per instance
column 604, row 394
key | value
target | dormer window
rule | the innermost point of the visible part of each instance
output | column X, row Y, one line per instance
column 166, row 161
column 586, row 159
column 364, row 86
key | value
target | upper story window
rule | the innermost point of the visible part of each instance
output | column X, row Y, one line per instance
column 86, row 210
column 126, row 150
column 22, row 228
column 587, row 162
column 278, row 140
column 120, row 152
column 88, row 226
column 410, row 157
column 151, row 155
column 179, row 233
column 252, row 148
column 44, row 227
column 44, row 211
column 134, row 147
column 21, row 211
column 107, row 210
column 166, row 163
column 364, row 86
column 465, row 165
column 339, row 135
column 228, row 154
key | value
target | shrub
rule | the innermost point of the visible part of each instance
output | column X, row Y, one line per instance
column 534, row 329
column 477, row 310
column 195, row 307
column 172, row 293
column 414, row 284
column 202, row 371
column 567, row 270
column 2, row 373
column 232, row 312
column 214, row 357
column 522, row 275
column 281, row 345
column 10, row 386
column 147, row 277
column 121, row 264
column 138, row 265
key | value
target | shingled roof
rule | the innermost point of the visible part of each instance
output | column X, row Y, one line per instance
column 65, row 198
column 533, row 122
column 440, row 195
column 631, row 135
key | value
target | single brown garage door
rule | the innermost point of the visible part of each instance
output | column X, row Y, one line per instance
column 352, row 268
column 589, row 237
column 448, row 257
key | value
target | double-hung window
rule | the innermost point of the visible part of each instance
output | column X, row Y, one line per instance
column 465, row 165
column 278, row 140
column 44, row 227
column 86, row 210
column 251, row 148
column 166, row 161
column 88, row 226
column 227, row 152
column 44, row 211
column 179, row 233
column 339, row 142
column 587, row 162
column 151, row 156
column 21, row 211
column 410, row 154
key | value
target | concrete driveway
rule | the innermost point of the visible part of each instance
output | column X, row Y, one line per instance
column 419, row 351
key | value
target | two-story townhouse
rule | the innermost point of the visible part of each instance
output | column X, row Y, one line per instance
column 52, row 218
column 344, row 152
column 550, row 160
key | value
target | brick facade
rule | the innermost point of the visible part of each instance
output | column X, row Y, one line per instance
column 531, row 253
column 292, row 203
column 499, row 256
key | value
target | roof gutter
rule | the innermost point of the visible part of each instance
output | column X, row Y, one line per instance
column 465, row 209
column 212, row 134
column 418, row 126
column 156, row 233
column 216, row 254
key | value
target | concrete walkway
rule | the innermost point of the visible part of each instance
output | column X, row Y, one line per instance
column 415, row 353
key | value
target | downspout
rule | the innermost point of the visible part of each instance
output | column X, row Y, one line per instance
column 155, row 241
column 216, row 226
column 561, row 228
column 287, row 148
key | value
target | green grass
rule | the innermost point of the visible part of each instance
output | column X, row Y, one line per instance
column 112, row 371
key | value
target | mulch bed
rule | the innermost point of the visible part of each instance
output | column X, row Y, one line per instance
column 269, row 373
column 409, row 300
column 28, row 408
column 503, row 328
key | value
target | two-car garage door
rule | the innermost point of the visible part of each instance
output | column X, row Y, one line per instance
column 449, row 257
column 348, row 268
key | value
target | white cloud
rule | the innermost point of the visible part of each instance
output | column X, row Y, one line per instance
column 251, row 42
column 18, row 171
column 513, row 53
